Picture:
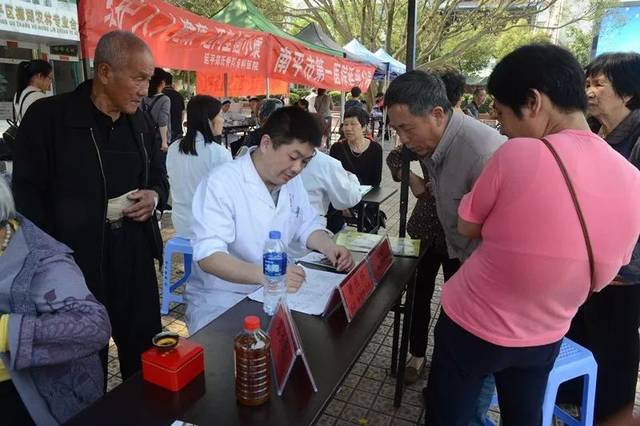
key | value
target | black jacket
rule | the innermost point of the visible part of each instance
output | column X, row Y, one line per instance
column 58, row 181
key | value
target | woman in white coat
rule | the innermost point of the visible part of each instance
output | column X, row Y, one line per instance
column 191, row 159
column 237, row 206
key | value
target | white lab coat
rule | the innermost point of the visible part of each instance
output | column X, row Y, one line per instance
column 326, row 181
column 233, row 213
column 185, row 172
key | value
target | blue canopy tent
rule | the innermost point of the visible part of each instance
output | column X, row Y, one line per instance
column 357, row 52
column 395, row 67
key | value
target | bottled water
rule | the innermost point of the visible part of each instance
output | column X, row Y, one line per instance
column 274, row 267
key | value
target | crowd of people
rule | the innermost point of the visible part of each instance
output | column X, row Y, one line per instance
column 535, row 227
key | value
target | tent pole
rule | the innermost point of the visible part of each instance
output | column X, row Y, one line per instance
column 226, row 85
column 342, row 107
column 411, row 63
column 268, row 88
column 384, row 110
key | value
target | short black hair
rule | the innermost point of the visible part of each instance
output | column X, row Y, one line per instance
column 477, row 90
column 359, row 113
column 420, row 91
column 355, row 91
column 291, row 123
column 254, row 99
column 454, row 83
column 550, row 69
column 623, row 71
column 154, row 82
column 168, row 78
column 226, row 101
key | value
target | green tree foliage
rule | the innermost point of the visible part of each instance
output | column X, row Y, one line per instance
column 272, row 9
column 580, row 44
column 448, row 31
column 517, row 36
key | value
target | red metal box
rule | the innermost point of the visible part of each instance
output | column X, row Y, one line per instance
column 173, row 369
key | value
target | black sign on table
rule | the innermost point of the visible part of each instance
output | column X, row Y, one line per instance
column 332, row 346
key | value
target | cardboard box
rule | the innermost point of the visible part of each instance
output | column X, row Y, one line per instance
column 175, row 368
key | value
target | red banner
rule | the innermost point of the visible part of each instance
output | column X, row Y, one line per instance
column 178, row 38
column 212, row 83
column 293, row 62
column 183, row 40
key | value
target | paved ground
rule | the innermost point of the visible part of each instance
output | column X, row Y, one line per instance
column 366, row 396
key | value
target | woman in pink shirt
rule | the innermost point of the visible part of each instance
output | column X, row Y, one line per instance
column 507, row 309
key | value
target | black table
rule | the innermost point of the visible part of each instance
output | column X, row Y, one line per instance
column 375, row 197
column 332, row 346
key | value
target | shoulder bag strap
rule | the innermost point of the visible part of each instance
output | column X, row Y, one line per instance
column 574, row 197
column 21, row 104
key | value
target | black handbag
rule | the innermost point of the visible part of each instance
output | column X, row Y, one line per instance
column 10, row 136
column 8, row 141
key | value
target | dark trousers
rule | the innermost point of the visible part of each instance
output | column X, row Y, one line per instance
column 14, row 411
column 133, row 301
column 425, row 284
column 607, row 324
column 461, row 361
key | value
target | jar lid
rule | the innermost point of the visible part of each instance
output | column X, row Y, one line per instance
column 251, row 323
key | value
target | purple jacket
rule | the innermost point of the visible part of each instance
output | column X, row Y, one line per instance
column 56, row 328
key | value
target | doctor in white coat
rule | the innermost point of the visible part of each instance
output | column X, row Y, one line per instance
column 237, row 206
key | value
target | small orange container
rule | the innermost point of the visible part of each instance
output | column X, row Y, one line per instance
column 173, row 369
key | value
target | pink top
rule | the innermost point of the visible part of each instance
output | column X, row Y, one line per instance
column 524, row 283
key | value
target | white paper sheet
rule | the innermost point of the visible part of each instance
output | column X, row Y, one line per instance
column 364, row 189
column 313, row 295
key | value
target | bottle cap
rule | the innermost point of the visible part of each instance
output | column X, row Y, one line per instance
column 251, row 323
column 274, row 235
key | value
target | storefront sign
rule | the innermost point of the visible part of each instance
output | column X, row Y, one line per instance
column 66, row 50
column 48, row 18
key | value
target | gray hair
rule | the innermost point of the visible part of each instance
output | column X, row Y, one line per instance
column 7, row 206
column 115, row 47
column 420, row 91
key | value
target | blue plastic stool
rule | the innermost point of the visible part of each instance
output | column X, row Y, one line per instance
column 174, row 245
column 573, row 361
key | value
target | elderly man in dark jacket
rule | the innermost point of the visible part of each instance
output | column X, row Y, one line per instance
column 88, row 171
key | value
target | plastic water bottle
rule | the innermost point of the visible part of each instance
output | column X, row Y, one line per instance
column 274, row 267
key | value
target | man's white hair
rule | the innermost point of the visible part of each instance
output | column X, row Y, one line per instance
column 7, row 205
column 115, row 47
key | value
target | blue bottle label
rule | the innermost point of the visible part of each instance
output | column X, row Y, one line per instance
column 274, row 264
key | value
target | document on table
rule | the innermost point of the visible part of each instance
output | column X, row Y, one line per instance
column 364, row 189
column 313, row 295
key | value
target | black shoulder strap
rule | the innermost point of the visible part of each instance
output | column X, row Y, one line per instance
column 153, row 102
column 21, row 104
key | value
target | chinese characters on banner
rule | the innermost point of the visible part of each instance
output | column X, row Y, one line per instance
column 180, row 39
column 294, row 62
